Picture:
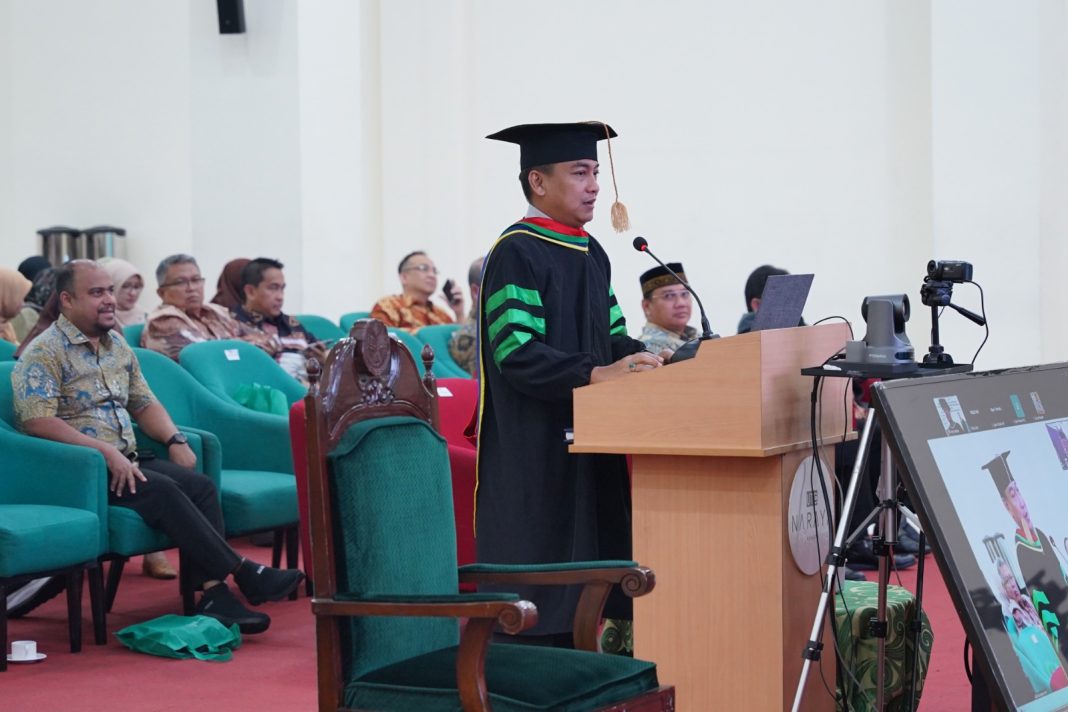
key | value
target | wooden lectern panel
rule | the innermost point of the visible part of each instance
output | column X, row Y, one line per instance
column 740, row 396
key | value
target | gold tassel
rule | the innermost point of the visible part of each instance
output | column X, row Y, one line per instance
column 620, row 219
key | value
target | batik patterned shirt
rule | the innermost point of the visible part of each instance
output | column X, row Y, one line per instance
column 404, row 313
column 170, row 329
column 657, row 338
column 61, row 375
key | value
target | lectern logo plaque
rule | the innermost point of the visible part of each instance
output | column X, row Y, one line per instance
column 808, row 521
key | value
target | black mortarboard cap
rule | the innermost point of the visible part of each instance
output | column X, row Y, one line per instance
column 999, row 471
column 659, row 277
column 542, row 144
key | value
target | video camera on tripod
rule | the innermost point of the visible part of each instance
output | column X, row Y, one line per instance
column 937, row 293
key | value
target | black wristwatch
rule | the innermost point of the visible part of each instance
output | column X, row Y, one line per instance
column 178, row 439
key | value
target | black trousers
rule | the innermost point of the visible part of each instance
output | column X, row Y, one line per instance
column 184, row 505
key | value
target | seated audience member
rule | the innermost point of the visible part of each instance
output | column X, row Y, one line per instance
column 32, row 266
column 264, row 286
column 44, row 283
column 668, row 307
column 183, row 318
column 228, row 289
column 13, row 290
column 49, row 313
column 463, row 346
column 128, row 287
column 754, row 287
column 413, row 309
column 78, row 384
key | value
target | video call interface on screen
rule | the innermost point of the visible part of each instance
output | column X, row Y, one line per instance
column 985, row 459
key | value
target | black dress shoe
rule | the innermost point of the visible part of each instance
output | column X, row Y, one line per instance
column 262, row 583
column 219, row 602
column 851, row 575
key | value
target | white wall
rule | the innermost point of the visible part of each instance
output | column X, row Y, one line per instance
column 854, row 140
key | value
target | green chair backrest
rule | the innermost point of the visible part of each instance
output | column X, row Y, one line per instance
column 132, row 333
column 438, row 337
column 320, row 327
column 225, row 366
column 7, row 350
column 347, row 320
column 394, row 533
column 7, row 400
column 250, row 440
column 414, row 345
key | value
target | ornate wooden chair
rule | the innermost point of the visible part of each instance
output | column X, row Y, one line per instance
column 387, row 605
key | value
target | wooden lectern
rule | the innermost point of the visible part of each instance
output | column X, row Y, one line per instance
column 716, row 441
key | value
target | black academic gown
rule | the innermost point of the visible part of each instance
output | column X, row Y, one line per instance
column 548, row 316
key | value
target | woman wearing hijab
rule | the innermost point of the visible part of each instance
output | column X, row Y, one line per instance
column 31, row 266
column 128, row 286
column 43, row 286
column 13, row 290
column 229, row 294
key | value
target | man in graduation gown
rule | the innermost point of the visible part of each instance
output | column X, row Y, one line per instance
column 1043, row 574
column 550, row 323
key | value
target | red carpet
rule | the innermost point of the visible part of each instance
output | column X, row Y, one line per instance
column 276, row 670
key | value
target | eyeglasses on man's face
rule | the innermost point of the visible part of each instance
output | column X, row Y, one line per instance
column 674, row 296
column 424, row 268
column 185, row 283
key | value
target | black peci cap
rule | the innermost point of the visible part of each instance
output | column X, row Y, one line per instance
column 659, row 277
column 999, row 471
column 542, row 144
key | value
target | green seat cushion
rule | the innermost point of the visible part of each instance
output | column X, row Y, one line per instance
column 128, row 534
column 256, row 499
column 41, row 537
column 518, row 678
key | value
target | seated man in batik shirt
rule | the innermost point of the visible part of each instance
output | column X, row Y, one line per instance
column 667, row 308
column 413, row 309
column 263, row 285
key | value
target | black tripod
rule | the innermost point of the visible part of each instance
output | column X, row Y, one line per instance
column 885, row 514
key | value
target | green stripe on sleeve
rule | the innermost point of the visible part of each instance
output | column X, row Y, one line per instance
column 620, row 330
column 511, row 291
column 614, row 314
column 510, row 344
column 516, row 317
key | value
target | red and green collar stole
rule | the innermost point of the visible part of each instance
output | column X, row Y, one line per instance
column 552, row 231
column 1033, row 544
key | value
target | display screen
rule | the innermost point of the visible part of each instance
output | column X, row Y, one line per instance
column 984, row 457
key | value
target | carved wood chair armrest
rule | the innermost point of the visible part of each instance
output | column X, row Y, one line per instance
column 597, row 578
column 484, row 612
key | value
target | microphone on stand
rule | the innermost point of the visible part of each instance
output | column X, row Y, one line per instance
column 689, row 349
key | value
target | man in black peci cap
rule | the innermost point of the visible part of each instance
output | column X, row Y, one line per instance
column 668, row 307
column 550, row 323
column 1044, row 577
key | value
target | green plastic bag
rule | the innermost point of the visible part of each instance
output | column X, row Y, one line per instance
column 262, row 399
column 182, row 637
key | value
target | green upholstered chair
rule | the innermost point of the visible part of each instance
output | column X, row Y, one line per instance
column 255, row 465
column 124, row 533
column 53, row 520
column 132, row 334
column 437, row 337
column 386, row 582
column 320, row 327
column 224, row 366
column 347, row 320
column 7, row 350
column 414, row 346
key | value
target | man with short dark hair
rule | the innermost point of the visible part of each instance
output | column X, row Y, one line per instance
column 413, row 309
column 263, row 286
column 80, row 383
column 668, row 307
column 185, row 318
column 754, row 288
column 464, row 341
column 550, row 323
